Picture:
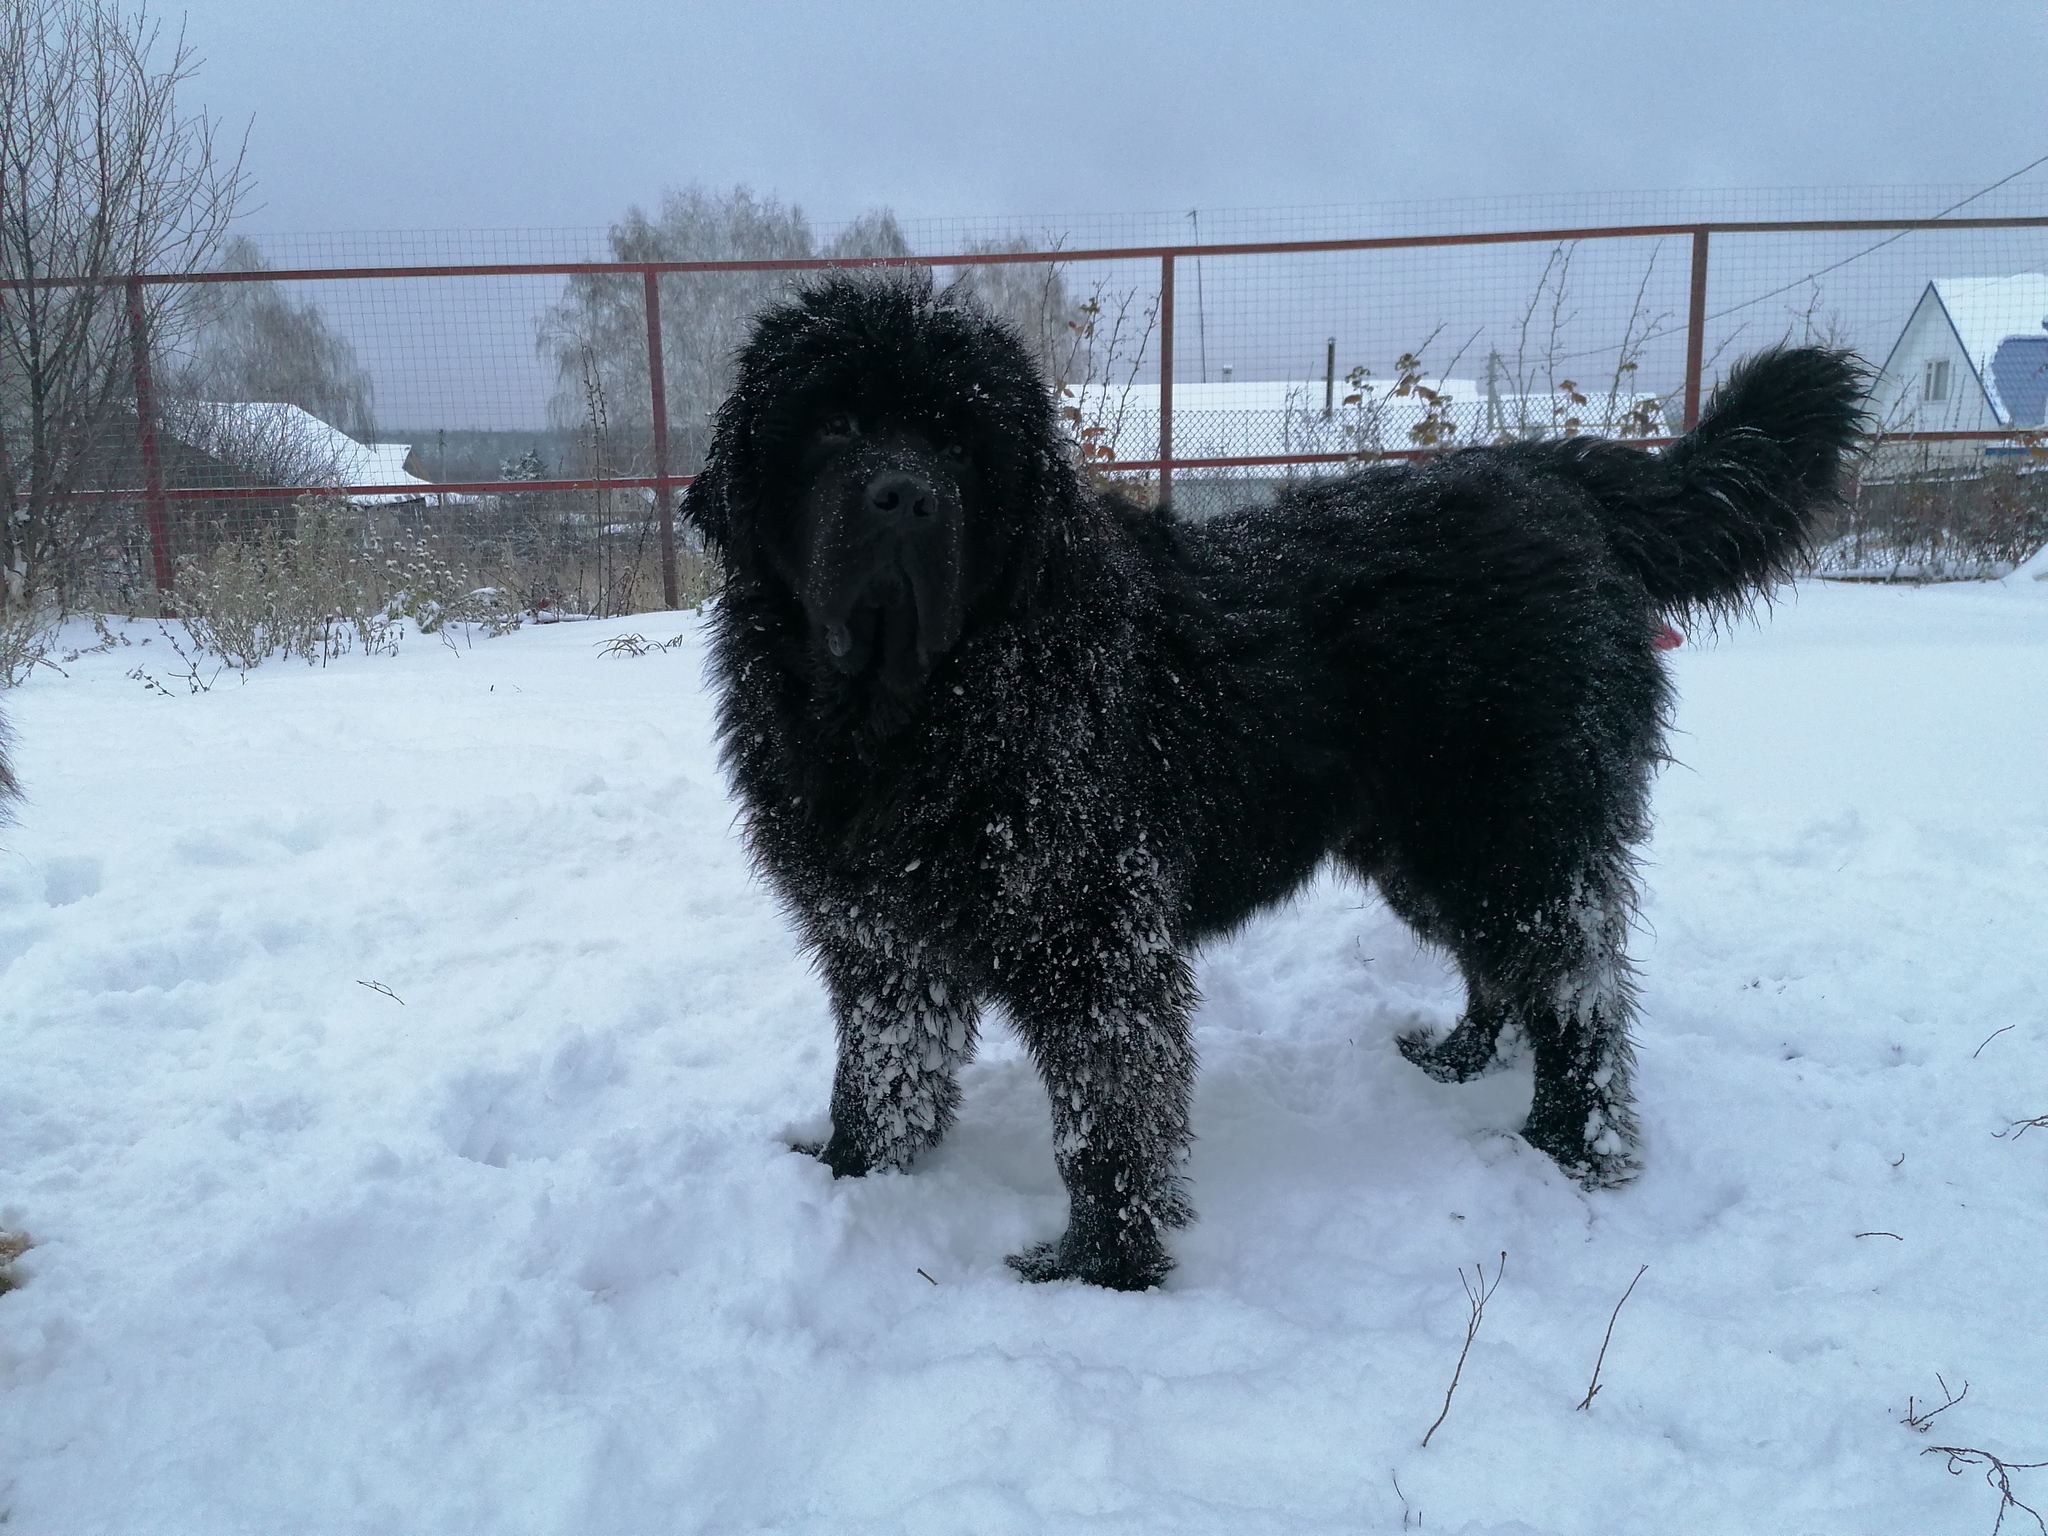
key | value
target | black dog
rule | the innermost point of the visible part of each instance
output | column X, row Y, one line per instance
column 1004, row 737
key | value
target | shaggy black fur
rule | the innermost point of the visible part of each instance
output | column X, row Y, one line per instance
column 1003, row 737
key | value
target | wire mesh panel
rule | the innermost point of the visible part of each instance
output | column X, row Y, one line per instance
column 1863, row 288
column 503, row 386
column 1313, row 361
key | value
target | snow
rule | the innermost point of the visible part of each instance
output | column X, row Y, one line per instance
column 522, row 1248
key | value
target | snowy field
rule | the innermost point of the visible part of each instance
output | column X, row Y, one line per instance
column 513, row 1243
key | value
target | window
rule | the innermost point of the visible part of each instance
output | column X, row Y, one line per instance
column 1935, row 386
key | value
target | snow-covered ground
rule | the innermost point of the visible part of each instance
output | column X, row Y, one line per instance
column 513, row 1242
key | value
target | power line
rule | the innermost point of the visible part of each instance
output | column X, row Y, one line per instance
column 1821, row 272
column 1880, row 245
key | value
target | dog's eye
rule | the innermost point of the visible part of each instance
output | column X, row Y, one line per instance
column 954, row 453
column 840, row 425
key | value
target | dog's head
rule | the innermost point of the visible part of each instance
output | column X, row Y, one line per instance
column 885, row 464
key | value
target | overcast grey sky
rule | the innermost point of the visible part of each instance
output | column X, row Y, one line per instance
column 398, row 114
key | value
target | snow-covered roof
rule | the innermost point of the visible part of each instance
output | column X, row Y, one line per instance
column 384, row 464
column 1986, row 310
column 287, row 445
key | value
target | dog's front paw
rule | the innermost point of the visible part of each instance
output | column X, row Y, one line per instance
column 1132, row 1265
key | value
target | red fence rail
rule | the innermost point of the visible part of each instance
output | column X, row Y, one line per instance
column 155, row 496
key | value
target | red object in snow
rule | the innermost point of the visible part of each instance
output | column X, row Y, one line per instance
column 1668, row 639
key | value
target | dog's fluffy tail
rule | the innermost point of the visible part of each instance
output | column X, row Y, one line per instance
column 1726, row 512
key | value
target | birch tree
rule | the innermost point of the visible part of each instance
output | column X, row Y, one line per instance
column 596, row 336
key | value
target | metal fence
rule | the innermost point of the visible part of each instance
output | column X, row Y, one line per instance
column 1209, row 369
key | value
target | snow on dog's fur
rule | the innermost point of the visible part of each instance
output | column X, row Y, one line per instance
column 1002, row 736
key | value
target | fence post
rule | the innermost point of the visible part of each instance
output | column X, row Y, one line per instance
column 658, row 387
column 1165, row 379
column 145, row 415
column 1696, row 329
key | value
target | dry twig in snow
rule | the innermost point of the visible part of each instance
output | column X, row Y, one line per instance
column 1478, row 1291
column 1997, row 1472
column 1923, row 1419
column 1593, row 1386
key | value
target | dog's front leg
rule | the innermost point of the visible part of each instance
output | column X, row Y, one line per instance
column 904, row 1031
column 1118, row 1063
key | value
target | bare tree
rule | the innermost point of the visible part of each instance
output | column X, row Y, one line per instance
column 1031, row 296
column 874, row 233
column 100, row 175
column 249, row 341
column 599, row 328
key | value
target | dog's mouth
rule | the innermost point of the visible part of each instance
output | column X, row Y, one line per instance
column 880, row 632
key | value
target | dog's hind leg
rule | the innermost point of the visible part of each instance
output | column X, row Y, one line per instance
column 1470, row 1048
column 904, row 1032
column 1548, row 954
column 1577, row 1010
column 1557, row 965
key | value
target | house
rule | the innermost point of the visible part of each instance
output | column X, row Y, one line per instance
column 267, row 442
column 1973, row 357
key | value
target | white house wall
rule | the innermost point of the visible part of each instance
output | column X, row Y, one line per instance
column 1897, row 399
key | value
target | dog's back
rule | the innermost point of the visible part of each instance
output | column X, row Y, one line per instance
column 1705, row 527
column 1426, row 620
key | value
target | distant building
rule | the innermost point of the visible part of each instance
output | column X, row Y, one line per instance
column 267, row 442
column 1261, row 418
column 1973, row 357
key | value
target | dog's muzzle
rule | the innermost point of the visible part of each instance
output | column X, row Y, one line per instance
column 882, row 585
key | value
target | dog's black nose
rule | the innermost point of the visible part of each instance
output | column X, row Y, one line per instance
column 897, row 496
